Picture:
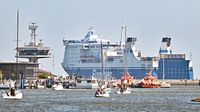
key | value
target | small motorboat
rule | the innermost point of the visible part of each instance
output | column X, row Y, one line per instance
column 165, row 84
column 124, row 91
column 57, row 87
column 106, row 88
column 91, row 83
column 196, row 99
column 4, row 86
column 40, row 86
column 16, row 96
column 101, row 93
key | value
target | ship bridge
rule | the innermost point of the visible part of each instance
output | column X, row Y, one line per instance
column 92, row 37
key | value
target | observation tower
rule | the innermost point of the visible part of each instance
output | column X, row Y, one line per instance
column 33, row 51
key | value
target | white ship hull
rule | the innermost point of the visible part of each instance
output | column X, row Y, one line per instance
column 93, row 55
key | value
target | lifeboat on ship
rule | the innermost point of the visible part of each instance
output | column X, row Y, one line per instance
column 149, row 82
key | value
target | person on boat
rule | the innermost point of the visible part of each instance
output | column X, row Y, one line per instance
column 125, row 87
column 7, row 93
column 101, row 91
column 122, row 88
column 12, row 91
column 12, row 88
column 98, row 91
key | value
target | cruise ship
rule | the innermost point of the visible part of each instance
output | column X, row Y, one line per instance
column 94, row 56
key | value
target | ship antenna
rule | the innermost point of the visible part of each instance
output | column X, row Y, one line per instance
column 33, row 27
column 122, row 27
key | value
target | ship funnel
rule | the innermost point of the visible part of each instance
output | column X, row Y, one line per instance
column 165, row 46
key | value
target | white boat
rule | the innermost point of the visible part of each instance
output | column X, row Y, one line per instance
column 196, row 99
column 106, row 95
column 108, row 90
column 165, row 84
column 83, row 57
column 40, row 86
column 101, row 93
column 127, row 91
column 87, row 84
column 57, row 87
column 7, row 95
column 4, row 86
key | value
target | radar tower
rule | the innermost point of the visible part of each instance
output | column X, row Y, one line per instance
column 34, row 51
column 33, row 27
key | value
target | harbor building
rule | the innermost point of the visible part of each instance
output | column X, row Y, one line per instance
column 10, row 68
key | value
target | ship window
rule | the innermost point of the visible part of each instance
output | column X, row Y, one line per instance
column 121, row 60
column 110, row 59
column 88, row 81
column 92, row 46
column 129, row 39
column 86, row 46
column 119, row 53
column 149, row 66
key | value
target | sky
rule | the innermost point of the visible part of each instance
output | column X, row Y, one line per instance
column 148, row 20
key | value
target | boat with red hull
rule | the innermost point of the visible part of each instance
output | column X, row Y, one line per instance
column 127, row 79
column 149, row 82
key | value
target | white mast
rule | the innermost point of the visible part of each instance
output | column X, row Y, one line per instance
column 121, row 41
column 125, row 56
column 102, row 62
column 17, row 51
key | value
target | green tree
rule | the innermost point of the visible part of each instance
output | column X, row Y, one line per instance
column 43, row 75
column 1, row 75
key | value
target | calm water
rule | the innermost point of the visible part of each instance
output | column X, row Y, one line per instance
column 175, row 99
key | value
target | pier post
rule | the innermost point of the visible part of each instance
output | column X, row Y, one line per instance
column 36, row 84
column 185, row 82
column 45, row 84
column 199, row 82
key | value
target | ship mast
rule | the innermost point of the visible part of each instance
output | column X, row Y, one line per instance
column 122, row 27
column 163, row 69
column 125, row 56
column 17, row 51
column 102, row 62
